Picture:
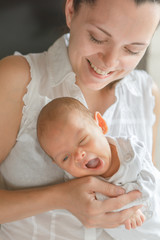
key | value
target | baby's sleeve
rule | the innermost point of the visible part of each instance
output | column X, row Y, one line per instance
column 136, row 171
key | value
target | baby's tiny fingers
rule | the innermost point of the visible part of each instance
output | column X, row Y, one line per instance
column 127, row 224
column 139, row 222
column 143, row 218
column 133, row 223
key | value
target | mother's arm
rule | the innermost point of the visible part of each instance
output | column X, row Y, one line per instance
column 76, row 196
column 14, row 77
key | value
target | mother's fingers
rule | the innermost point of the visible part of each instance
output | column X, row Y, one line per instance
column 118, row 218
column 116, row 203
column 105, row 188
column 81, row 201
column 110, row 219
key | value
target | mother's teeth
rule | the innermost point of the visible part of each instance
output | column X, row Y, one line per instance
column 99, row 71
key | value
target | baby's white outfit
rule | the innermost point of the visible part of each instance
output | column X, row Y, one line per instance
column 28, row 166
column 136, row 173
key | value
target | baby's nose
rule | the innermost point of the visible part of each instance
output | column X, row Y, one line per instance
column 79, row 155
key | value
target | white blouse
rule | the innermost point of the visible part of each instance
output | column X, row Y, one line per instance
column 28, row 166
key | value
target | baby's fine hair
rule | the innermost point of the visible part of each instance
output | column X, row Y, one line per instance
column 57, row 110
column 76, row 3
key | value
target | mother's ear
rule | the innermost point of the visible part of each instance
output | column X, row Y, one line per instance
column 69, row 12
column 101, row 122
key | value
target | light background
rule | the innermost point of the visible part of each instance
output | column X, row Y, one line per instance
column 153, row 67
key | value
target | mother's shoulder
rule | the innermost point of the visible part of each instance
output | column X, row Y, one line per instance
column 14, row 71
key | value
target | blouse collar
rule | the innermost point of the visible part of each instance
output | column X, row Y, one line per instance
column 58, row 63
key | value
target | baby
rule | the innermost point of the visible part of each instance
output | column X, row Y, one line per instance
column 75, row 141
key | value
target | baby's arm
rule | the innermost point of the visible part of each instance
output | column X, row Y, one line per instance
column 136, row 171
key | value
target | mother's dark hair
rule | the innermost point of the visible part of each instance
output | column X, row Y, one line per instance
column 76, row 3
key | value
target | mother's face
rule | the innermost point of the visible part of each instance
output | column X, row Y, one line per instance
column 108, row 39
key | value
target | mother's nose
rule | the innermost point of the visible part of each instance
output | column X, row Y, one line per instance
column 111, row 58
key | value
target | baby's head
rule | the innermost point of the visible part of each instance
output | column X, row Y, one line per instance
column 70, row 135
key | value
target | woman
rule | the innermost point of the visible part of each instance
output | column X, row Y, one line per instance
column 107, row 40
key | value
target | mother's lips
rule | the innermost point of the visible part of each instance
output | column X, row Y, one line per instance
column 99, row 71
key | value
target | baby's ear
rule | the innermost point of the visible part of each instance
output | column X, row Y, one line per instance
column 101, row 122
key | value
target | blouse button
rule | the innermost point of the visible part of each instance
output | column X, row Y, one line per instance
column 128, row 156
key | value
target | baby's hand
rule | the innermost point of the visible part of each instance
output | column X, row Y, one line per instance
column 136, row 220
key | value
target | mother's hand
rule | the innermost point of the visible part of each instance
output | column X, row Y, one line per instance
column 80, row 200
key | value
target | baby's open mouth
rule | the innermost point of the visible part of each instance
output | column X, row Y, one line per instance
column 94, row 163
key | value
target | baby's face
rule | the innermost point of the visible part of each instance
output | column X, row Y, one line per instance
column 78, row 146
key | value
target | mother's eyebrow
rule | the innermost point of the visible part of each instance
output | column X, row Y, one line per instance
column 104, row 31
column 134, row 43
column 139, row 43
